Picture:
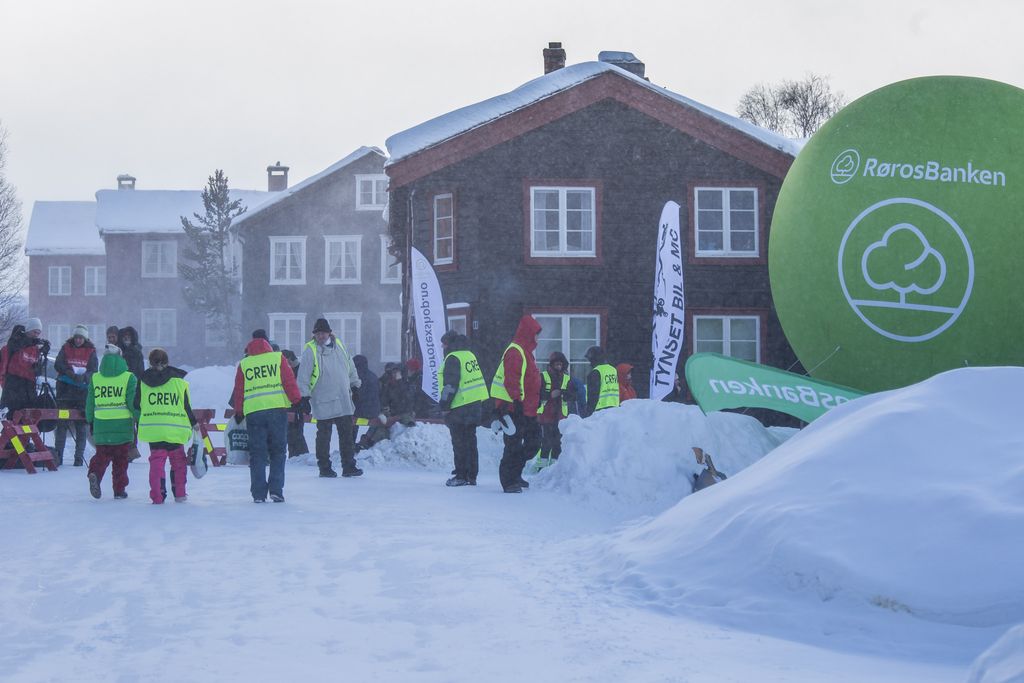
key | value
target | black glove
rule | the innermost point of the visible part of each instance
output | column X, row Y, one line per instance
column 517, row 408
column 304, row 406
column 355, row 394
column 238, row 418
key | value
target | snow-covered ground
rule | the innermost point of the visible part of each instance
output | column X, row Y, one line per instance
column 878, row 544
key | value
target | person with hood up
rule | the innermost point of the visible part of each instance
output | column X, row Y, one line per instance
column 516, row 390
column 556, row 393
column 463, row 391
column 111, row 415
column 131, row 350
column 395, row 396
column 166, row 423
column 422, row 405
column 327, row 378
column 265, row 389
column 76, row 362
column 367, row 403
column 26, row 355
column 626, row 388
column 602, row 382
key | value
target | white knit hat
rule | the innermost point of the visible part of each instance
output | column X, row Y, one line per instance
column 80, row 331
column 111, row 350
column 33, row 324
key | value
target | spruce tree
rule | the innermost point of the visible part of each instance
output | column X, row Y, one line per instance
column 211, row 276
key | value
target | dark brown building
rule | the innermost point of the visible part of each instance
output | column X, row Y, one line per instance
column 546, row 200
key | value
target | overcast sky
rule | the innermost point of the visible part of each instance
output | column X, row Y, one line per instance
column 170, row 91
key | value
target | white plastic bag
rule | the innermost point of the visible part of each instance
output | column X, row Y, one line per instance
column 236, row 440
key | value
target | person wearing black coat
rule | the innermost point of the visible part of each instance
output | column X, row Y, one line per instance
column 131, row 351
column 76, row 362
column 367, row 402
column 462, row 420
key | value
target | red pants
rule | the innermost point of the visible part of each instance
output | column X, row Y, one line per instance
column 112, row 454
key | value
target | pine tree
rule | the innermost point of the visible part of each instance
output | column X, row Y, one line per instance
column 211, row 276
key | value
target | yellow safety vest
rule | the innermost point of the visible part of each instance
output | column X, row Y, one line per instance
column 110, row 396
column 609, row 394
column 162, row 415
column 315, row 375
column 262, row 388
column 498, row 383
column 472, row 387
column 547, row 387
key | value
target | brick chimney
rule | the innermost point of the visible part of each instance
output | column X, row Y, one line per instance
column 277, row 177
column 554, row 57
column 125, row 182
column 624, row 60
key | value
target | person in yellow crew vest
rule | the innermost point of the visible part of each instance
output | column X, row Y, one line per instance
column 463, row 392
column 265, row 390
column 602, row 382
column 111, row 415
column 165, row 423
column 516, row 390
column 556, row 392
column 327, row 378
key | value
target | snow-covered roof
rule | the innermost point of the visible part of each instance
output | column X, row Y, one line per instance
column 63, row 228
column 437, row 130
column 278, row 197
column 120, row 211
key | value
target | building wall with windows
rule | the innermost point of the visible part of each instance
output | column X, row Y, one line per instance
column 560, row 221
column 322, row 251
column 68, row 289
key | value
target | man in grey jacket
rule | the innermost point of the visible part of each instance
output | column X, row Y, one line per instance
column 326, row 379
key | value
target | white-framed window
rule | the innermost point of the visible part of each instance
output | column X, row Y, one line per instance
column 60, row 280
column 159, row 258
column 97, row 335
column 444, row 229
column 390, row 268
column 288, row 330
column 562, row 221
column 215, row 334
column 726, row 221
column 371, row 192
column 737, row 336
column 287, row 260
column 58, row 334
column 572, row 334
column 159, row 327
column 95, row 280
column 459, row 323
column 343, row 259
column 390, row 337
column 348, row 328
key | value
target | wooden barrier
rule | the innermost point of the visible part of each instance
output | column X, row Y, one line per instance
column 13, row 448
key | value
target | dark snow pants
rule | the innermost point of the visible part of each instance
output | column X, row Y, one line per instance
column 467, row 458
column 519, row 448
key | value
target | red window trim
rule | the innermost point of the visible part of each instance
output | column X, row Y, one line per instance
column 597, row 259
column 599, row 311
column 760, row 313
column 762, row 220
column 454, row 265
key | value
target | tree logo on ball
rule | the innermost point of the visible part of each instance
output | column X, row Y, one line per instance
column 845, row 167
column 906, row 268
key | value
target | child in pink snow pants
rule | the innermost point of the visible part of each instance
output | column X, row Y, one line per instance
column 165, row 423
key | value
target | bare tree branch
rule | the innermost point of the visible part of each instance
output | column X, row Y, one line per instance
column 12, row 263
column 792, row 108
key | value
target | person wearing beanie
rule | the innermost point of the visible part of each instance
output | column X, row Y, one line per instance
column 260, row 334
column 556, row 393
column 602, row 382
column 24, row 362
column 111, row 350
column 463, row 391
column 327, row 379
column 166, row 423
column 76, row 362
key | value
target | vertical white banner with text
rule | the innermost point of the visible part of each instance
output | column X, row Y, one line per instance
column 669, row 321
column 428, row 305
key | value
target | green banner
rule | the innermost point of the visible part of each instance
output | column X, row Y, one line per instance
column 719, row 382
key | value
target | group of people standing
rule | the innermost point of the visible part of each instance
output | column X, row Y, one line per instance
column 530, row 403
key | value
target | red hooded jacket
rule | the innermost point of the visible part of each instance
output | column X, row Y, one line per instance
column 626, row 390
column 526, row 337
column 254, row 348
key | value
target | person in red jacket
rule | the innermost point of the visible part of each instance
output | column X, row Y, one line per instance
column 26, row 354
column 626, row 389
column 516, row 390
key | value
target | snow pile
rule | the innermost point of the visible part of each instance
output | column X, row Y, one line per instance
column 1003, row 662
column 638, row 458
column 908, row 501
column 211, row 387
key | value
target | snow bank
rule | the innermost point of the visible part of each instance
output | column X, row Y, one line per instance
column 1003, row 662
column 637, row 458
column 909, row 501
column 211, row 387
